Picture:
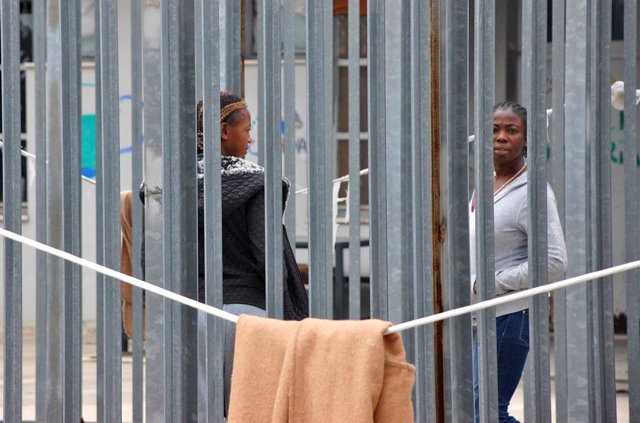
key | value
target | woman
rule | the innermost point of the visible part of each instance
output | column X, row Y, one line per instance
column 510, row 210
column 243, row 227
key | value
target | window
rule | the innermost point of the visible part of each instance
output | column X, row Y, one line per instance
column 341, row 38
column 251, row 27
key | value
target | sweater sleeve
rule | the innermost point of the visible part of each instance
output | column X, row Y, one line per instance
column 515, row 278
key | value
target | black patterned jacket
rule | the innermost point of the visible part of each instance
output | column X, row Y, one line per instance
column 243, row 240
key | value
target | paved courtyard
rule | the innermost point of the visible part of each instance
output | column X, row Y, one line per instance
column 89, row 382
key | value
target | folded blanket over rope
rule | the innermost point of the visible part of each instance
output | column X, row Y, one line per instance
column 319, row 371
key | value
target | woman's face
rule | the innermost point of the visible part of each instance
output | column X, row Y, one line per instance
column 508, row 137
column 235, row 138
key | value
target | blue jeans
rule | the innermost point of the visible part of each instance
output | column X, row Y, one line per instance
column 512, row 338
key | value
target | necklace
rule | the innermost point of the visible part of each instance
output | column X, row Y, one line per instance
column 503, row 186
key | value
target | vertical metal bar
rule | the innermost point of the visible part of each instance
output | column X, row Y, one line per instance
column 437, row 131
column 631, row 203
column 320, row 135
column 158, row 402
column 289, row 97
column 600, row 221
column 55, row 362
column 210, row 357
column 170, row 262
column 557, row 182
column 270, row 135
column 109, row 178
column 391, row 197
column 355, row 302
column 534, row 66
column 178, row 120
column 377, row 158
column 329, row 144
column 394, row 196
column 256, row 9
column 578, row 298
column 73, row 217
column 485, row 18
column 63, row 294
column 231, row 60
column 12, row 209
column 406, row 281
column 421, row 208
column 39, row 50
column 100, row 279
column 459, row 329
column 136, row 209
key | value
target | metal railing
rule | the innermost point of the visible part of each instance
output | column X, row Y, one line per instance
column 419, row 116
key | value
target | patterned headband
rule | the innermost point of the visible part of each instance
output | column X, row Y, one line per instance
column 230, row 108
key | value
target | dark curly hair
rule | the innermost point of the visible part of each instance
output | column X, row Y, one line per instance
column 516, row 108
column 519, row 110
column 226, row 98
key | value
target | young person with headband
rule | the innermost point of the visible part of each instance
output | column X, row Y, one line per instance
column 243, row 227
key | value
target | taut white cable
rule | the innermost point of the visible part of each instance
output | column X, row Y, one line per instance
column 32, row 157
column 120, row 276
column 512, row 297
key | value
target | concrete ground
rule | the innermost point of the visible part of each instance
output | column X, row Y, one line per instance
column 89, row 383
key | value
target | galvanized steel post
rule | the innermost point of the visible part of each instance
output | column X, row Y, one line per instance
column 108, row 184
column 230, row 38
column 484, row 84
column 320, row 139
column 158, row 351
column 534, row 65
column 137, row 233
column 180, row 195
column 604, row 378
column 210, row 329
column 579, row 328
column 631, row 203
column 558, row 184
column 378, row 258
column 421, row 209
column 271, row 140
column 458, row 329
column 39, row 57
column 289, row 136
column 355, row 287
column 12, row 209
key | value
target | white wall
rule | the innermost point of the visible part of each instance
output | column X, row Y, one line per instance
column 88, row 190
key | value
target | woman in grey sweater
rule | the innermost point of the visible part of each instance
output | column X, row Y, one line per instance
column 511, row 235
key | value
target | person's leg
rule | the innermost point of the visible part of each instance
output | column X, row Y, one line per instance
column 229, row 343
column 513, row 345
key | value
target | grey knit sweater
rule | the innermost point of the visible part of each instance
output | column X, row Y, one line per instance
column 511, row 233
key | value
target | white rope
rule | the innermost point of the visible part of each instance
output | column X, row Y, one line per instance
column 121, row 276
column 32, row 157
column 515, row 296
column 393, row 329
column 340, row 179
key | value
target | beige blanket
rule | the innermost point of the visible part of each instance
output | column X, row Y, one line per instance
column 319, row 371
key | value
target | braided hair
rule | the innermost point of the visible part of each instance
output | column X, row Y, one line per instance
column 519, row 110
column 230, row 106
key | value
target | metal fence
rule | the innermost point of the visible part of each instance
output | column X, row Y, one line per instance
column 423, row 99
